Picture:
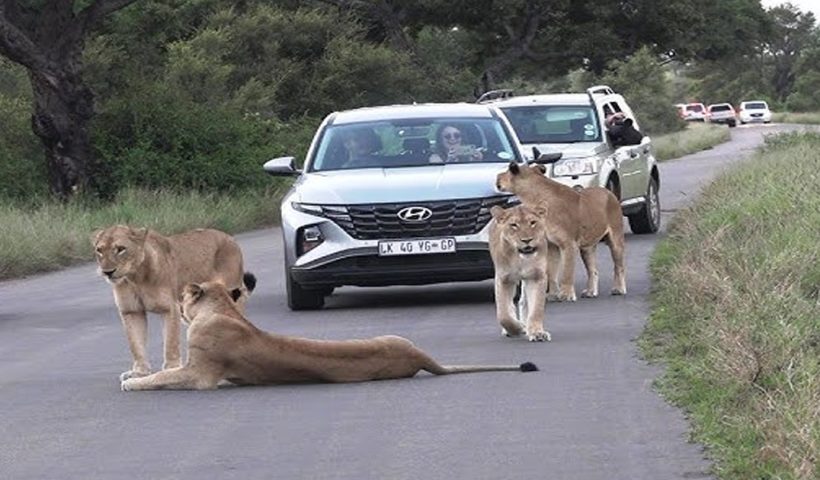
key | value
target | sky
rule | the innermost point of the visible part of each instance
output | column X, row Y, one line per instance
column 803, row 5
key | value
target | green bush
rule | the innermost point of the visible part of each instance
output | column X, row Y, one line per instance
column 22, row 160
column 157, row 138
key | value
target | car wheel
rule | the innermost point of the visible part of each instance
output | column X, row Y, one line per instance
column 612, row 186
column 732, row 124
column 300, row 298
column 648, row 219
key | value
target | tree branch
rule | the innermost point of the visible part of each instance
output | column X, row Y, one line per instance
column 99, row 9
column 19, row 48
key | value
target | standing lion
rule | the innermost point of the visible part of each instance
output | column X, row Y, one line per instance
column 575, row 220
column 147, row 272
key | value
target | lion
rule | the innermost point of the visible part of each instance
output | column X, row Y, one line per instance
column 575, row 220
column 147, row 272
column 224, row 346
column 518, row 247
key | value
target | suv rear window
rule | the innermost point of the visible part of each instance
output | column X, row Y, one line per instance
column 721, row 108
column 554, row 124
column 694, row 108
column 755, row 106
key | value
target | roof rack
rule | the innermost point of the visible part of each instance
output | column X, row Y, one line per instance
column 600, row 90
column 494, row 95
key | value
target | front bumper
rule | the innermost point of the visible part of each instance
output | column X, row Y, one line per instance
column 342, row 259
column 371, row 270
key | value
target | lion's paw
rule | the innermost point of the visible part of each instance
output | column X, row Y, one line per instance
column 541, row 336
column 566, row 297
column 589, row 294
column 618, row 291
column 134, row 374
column 512, row 328
column 127, row 385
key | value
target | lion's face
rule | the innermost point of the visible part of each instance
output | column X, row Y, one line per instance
column 523, row 228
column 119, row 251
column 195, row 297
column 514, row 178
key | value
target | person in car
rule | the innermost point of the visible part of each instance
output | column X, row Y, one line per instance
column 450, row 149
column 621, row 130
column 361, row 144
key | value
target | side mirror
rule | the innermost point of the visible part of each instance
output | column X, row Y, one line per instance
column 282, row 166
column 545, row 158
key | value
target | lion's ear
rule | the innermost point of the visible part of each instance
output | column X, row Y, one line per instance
column 540, row 211
column 139, row 234
column 514, row 169
column 236, row 293
column 194, row 291
column 95, row 236
column 539, row 167
column 498, row 213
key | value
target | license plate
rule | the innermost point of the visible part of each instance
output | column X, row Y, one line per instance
column 422, row 246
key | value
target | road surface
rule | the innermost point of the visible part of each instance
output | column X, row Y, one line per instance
column 590, row 413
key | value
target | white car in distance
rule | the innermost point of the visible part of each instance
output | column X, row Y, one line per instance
column 754, row 111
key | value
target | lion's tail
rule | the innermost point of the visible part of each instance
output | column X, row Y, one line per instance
column 450, row 369
column 249, row 280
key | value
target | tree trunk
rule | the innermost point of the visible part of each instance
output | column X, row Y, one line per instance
column 63, row 108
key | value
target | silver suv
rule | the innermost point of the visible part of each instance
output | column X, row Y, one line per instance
column 571, row 127
column 396, row 195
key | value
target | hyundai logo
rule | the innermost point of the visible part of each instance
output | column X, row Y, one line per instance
column 414, row 214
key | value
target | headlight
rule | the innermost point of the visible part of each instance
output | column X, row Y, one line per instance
column 575, row 166
column 307, row 208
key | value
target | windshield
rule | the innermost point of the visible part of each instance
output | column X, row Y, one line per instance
column 411, row 143
column 554, row 124
column 755, row 106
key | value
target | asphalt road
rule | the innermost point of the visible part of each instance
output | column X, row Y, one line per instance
column 590, row 413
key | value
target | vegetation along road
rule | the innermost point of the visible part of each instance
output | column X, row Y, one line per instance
column 590, row 413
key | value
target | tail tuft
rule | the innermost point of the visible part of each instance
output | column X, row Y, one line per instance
column 528, row 367
column 249, row 280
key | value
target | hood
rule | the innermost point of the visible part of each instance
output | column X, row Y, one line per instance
column 387, row 185
column 569, row 150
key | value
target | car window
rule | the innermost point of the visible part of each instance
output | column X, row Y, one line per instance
column 720, row 108
column 694, row 108
column 755, row 106
column 411, row 143
column 554, row 123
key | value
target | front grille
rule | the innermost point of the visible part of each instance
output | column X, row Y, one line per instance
column 381, row 221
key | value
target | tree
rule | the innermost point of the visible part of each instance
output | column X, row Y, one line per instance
column 792, row 32
column 47, row 38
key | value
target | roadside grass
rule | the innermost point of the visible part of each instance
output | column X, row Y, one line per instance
column 736, row 314
column 796, row 117
column 52, row 235
column 694, row 138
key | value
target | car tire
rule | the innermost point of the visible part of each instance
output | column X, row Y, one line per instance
column 300, row 298
column 648, row 219
column 612, row 186
column 732, row 124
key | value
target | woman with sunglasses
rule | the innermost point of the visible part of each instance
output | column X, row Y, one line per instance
column 449, row 147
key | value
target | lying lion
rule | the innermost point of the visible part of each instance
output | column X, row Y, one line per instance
column 574, row 220
column 147, row 272
column 223, row 345
column 518, row 247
